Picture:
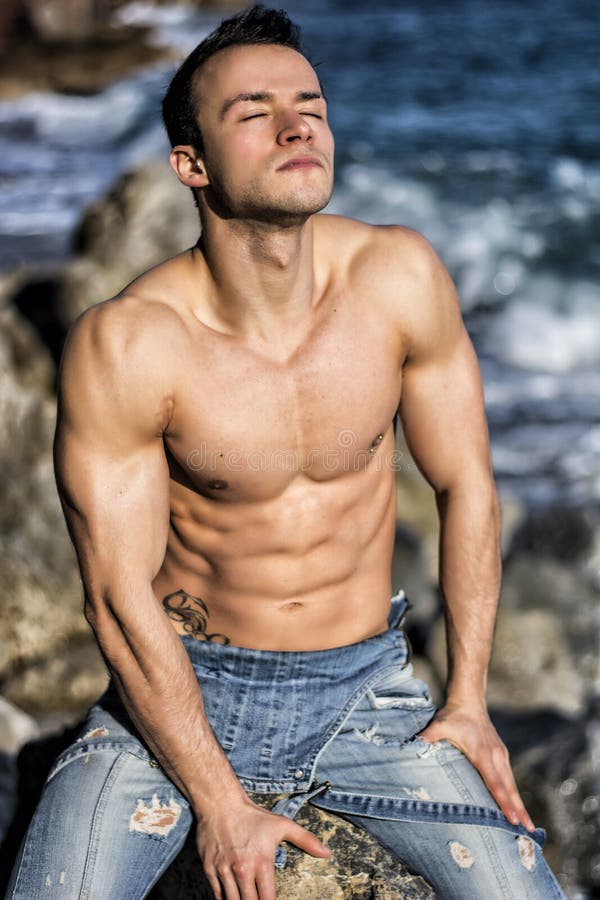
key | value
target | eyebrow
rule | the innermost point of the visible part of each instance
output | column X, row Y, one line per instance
column 264, row 96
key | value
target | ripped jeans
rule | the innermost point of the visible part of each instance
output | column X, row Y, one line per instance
column 337, row 728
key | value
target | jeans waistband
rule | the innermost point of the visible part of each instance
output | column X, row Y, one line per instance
column 245, row 662
column 274, row 711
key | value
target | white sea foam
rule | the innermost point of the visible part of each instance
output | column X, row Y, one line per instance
column 176, row 25
column 542, row 337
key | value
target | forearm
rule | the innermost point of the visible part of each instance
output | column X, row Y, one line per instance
column 157, row 684
column 469, row 574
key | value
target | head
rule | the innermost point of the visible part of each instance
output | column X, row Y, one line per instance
column 247, row 121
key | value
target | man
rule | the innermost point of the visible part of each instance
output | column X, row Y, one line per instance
column 224, row 457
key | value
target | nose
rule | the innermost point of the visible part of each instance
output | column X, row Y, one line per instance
column 294, row 128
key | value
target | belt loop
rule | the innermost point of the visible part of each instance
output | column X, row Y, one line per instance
column 399, row 607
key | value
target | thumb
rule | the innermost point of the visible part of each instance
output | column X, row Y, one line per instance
column 432, row 732
column 306, row 840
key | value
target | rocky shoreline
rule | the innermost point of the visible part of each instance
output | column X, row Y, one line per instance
column 544, row 689
column 75, row 46
column 545, row 669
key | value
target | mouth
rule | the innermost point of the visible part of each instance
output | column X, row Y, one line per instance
column 301, row 162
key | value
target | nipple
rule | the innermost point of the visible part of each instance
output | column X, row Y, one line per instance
column 217, row 484
column 375, row 443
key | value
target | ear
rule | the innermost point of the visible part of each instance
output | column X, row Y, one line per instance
column 188, row 166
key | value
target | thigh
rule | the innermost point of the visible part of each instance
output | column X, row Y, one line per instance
column 468, row 862
column 426, row 802
column 108, row 824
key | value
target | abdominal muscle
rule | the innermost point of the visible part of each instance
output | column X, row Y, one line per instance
column 309, row 570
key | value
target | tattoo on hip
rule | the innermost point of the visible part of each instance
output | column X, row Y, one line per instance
column 193, row 614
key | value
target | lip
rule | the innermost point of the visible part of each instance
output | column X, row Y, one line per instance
column 300, row 162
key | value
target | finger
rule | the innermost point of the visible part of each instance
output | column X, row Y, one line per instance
column 229, row 884
column 265, row 882
column 244, row 875
column 515, row 803
column 502, row 786
column 306, row 840
column 215, row 884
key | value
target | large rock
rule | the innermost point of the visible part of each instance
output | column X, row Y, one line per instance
column 358, row 868
column 147, row 217
column 531, row 667
column 556, row 760
column 76, row 67
column 48, row 659
column 68, row 20
column 561, row 531
column 570, row 593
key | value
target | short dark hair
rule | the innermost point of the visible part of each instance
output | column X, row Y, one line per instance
column 257, row 25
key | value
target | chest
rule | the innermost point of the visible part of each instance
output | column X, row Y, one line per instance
column 246, row 422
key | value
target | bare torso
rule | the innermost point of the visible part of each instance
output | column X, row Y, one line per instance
column 281, row 461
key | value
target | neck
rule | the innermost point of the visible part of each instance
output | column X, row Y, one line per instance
column 262, row 273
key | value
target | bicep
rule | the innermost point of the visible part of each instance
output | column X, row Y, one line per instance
column 443, row 417
column 442, row 405
column 111, row 470
column 116, row 506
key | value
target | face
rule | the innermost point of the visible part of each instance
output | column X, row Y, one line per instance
column 268, row 150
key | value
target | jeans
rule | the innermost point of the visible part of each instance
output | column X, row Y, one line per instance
column 337, row 728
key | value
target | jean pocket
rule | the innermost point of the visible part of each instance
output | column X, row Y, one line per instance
column 399, row 689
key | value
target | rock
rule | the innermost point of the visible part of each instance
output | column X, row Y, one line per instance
column 512, row 513
column 68, row 20
column 416, row 507
column 531, row 666
column 424, row 670
column 359, row 867
column 23, row 354
column 560, row 531
column 35, row 298
column 410, row 572
column 8, row 793
column 42, row 627
column 74, row 46
column 147, row 217
column 556, row 760
column 11, row 22
column 61, row 684
column 16, row 727
column 545, row 584
column 83, row 67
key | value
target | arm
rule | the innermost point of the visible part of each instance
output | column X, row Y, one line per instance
column 442, row 412
column 113, row 481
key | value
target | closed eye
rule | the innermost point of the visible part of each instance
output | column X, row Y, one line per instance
column 253, row 116
column 313, row 114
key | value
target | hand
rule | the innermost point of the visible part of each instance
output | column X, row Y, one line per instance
column 473, row 733
column 237, row 845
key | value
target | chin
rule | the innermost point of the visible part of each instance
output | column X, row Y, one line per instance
column 291, row 210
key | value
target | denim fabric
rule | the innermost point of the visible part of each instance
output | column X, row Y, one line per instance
column 337, row 728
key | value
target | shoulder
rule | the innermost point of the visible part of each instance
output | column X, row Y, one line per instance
column 384, row 251
column 396, row 270
column 126, row 324
column 117, row 360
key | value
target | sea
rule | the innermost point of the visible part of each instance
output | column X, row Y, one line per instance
column 476, row 122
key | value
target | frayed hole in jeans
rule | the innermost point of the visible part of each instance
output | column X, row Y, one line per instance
column 157, row 818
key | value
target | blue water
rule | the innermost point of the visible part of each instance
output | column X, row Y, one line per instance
column 478, row 123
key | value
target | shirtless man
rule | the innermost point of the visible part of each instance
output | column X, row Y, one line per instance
column 224, row 456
